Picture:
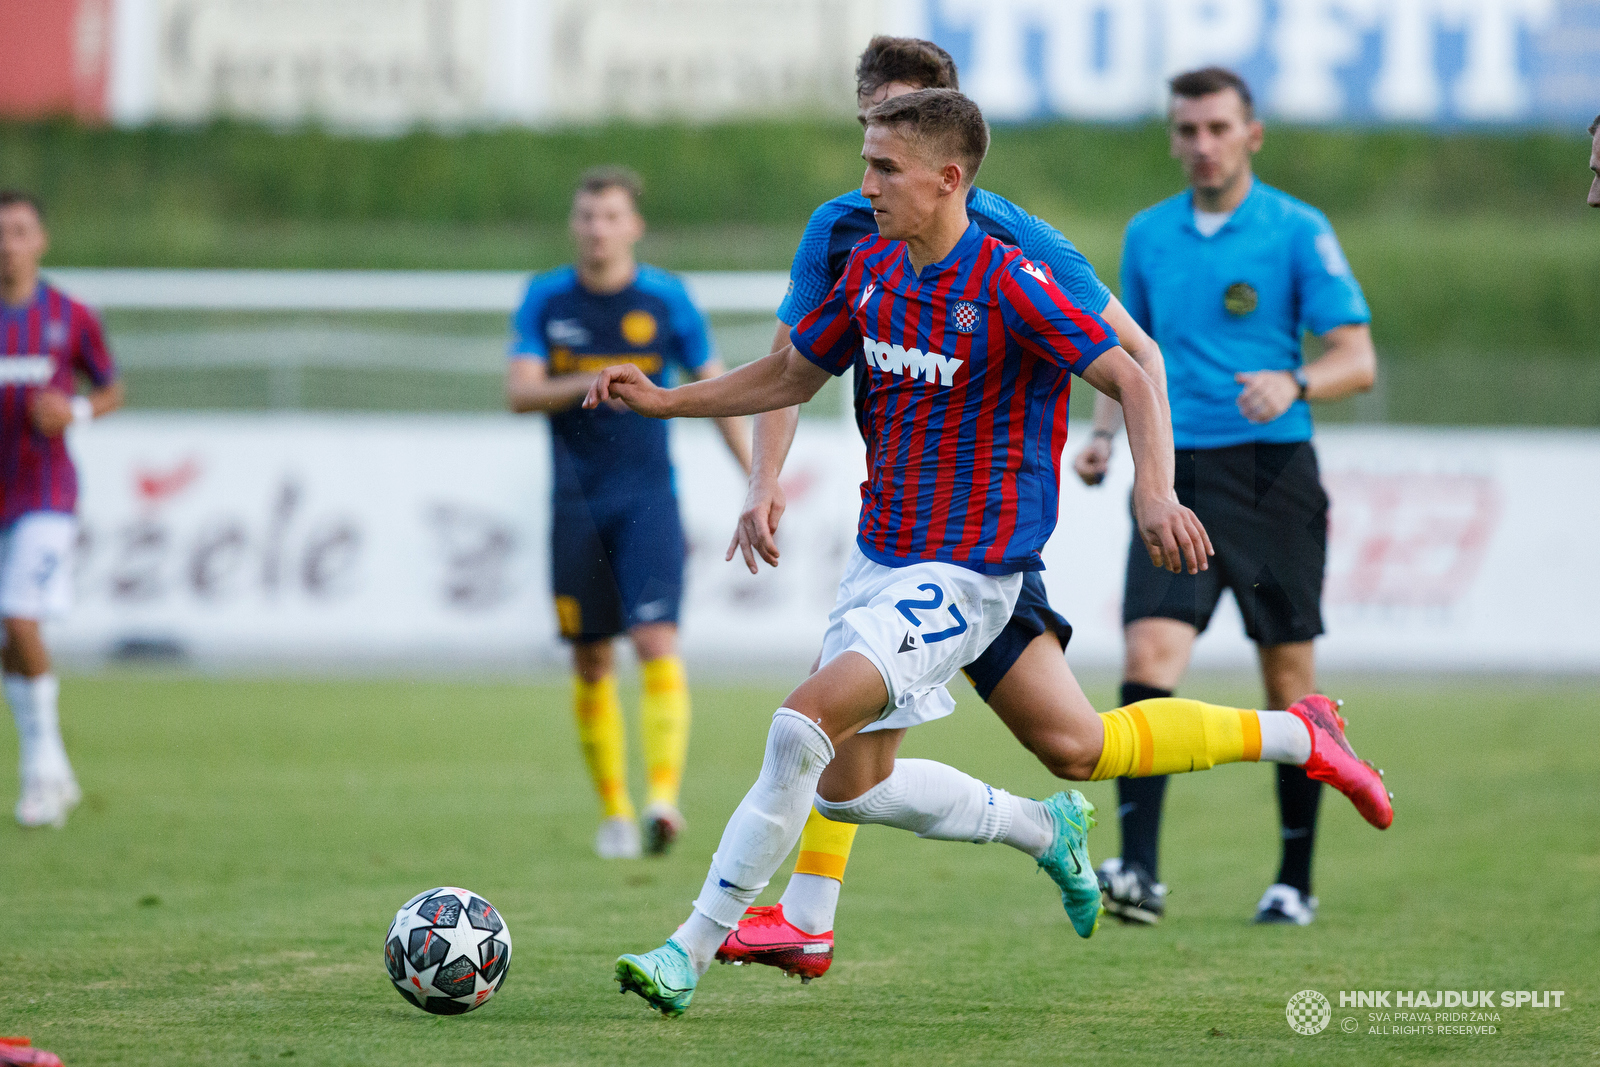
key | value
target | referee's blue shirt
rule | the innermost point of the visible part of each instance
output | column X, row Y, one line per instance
column 1236, row 301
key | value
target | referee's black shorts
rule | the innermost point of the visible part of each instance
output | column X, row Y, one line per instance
column 1267, row 514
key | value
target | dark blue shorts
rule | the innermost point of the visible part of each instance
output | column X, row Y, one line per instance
column 617, row 564
column 1032, row 617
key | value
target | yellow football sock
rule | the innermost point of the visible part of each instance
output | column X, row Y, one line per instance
column 1170, row 735
column 825, row 847
column 605, row 743
column 664, row 724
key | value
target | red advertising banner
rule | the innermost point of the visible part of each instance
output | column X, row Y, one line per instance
column 57, row 61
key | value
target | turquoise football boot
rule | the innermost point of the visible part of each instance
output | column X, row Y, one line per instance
column 1066, row 861
column 664, row 978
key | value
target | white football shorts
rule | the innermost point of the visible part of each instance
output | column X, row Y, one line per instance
column 918, row 625
column 36, row 565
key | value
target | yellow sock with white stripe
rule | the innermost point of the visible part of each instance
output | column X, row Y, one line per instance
column 664, row 725
column 1170, row 735
column 812, row 895
column 605, row 743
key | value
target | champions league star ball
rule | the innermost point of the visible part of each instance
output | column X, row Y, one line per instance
column 447, row 951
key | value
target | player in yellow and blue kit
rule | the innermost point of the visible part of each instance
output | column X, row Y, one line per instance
column 617, row 546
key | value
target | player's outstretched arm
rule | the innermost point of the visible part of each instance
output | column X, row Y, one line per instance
column 764, row 503
column 776, row 381
column 1172, row 533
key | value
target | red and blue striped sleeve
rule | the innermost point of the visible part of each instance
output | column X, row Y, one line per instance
column 828, row 336
column 1041, row 318
column 90, row 353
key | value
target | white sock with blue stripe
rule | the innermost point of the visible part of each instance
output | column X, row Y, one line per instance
column 936, row 801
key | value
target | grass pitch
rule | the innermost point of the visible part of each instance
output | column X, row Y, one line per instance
column 222, row 895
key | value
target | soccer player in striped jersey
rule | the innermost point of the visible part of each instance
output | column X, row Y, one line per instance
column 969, row 346
column 1022, row 675
column 47, row 342
column 617, row 546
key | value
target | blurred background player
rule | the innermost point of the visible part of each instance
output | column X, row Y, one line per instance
column 1594, row 161
column 617, row 547
column 1022, row 675
column 1228, row 276
column 47, row 340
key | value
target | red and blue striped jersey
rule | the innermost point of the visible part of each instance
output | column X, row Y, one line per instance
column 966, row 407
column 44, row 344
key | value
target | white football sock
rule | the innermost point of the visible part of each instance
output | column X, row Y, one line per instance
column 19, row 694
column 700, row 938
column 33, row 706
column 1284, row 738
column 763, row 829
column 810, row 901
column 937, row 801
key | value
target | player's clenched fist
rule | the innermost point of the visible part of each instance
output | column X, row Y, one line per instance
column 625, row 383
column 1092, row 463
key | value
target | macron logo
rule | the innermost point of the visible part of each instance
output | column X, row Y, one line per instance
column 893, row 359
column 1029, row 268
column 867, row 295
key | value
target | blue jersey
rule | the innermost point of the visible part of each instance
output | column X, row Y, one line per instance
column 836, row 227
column 1237, row 301
column 967, row 391
column 651, row 324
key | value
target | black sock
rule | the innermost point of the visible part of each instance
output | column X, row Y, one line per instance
column 1139, row 799
column 1298, row 797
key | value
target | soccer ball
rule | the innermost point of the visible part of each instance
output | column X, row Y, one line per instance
column 447, row 951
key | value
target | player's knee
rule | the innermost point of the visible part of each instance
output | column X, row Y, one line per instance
column 592, row 660
column 655, row 639
column 1066, row 755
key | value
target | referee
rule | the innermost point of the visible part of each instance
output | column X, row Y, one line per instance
column 1227, row 277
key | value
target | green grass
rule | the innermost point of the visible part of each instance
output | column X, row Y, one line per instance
column 222, row 895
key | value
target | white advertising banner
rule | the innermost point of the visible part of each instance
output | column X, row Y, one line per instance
column 388, row 64
column 328, row 540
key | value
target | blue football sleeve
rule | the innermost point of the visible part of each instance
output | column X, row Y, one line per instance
column 828, row 336
column 1329, row 295
column 1135, row 297
column 1043, row 243
column 810, row 281
column 527, row 332
column 689, row 326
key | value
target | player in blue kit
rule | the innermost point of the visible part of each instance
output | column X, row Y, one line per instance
column 1229, row 276
column 617, row 547
column 969, row 349
column 1022, row 675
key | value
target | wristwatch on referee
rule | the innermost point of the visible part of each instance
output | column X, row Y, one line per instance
column 1300, row 379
